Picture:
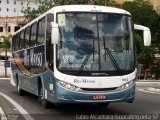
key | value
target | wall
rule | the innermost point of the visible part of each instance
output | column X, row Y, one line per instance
column 12, row 8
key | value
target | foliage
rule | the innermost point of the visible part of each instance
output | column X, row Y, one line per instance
column 107, row 3
column 6, row 42
column 145, row 55
column 157, row 34
column 43, row 7
column 47, row 4
column 139, row 42
column 5, row 46
column 144, row 14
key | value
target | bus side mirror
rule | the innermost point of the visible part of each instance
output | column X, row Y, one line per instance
column 147, row 37
column 55, row 33
column 146, row 34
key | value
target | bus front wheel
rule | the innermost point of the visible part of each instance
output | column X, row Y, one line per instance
column 20, row 91
column 44, row 103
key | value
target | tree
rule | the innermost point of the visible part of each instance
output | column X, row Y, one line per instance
column 107, row 3
column 43, row 7
column 157, row 34
column 47, row 4
column 5, row 46
column 143, row 13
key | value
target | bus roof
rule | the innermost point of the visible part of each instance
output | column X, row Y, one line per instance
column 78, row 8
column 88, row 8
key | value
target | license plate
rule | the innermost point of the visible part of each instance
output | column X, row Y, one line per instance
column 99, row 97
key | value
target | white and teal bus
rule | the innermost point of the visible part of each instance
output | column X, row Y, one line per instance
column 77, row 54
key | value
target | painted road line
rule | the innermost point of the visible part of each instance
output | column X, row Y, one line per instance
column 148, row 91
column 2, row 114
column 21, row 110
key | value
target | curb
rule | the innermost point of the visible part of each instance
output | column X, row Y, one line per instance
column 148, row 91
column 5, row 78
column 147, row 80
column 153, row 89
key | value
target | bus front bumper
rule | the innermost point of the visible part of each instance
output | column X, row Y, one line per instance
column 63, row 95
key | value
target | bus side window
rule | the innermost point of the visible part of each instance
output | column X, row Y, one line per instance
column 24, row 44
column 17, row 41
column 14, row 43
column 22, row 40
column 19, row 46
column 33, row 34
column 27, row 37
column 41, row 31
column 49, row 45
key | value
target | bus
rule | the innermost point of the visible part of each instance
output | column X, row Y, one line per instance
column 77, row 54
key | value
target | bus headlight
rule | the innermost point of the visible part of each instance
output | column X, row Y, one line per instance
column 124, row 86
column 67, row 86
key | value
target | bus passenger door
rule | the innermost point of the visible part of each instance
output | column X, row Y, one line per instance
column 49, row 45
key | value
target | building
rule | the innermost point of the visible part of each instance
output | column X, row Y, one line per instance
column 11, row 19
column 156, row 5
column 11, row 16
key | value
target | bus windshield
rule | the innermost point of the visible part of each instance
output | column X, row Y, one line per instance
column 95, row 42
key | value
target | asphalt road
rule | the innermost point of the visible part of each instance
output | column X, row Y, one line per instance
column 145, row 103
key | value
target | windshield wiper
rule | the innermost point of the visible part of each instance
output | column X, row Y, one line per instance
column 87, row 58
column 110, row 56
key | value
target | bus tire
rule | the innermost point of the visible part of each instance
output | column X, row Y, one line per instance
column 102, row 105
column 40, row 93
column 20, row 91
column 44, row 103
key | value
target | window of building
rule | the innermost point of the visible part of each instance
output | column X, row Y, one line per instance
column 0, row 1
column 14, row 9
column 33, row 35
column 41, row 31
column 9, row 29
column 1, row 29
column 7, row 9
column 15, row 2
column 0, row 8
column 28, row 4
column 16, row 28
column 7, row 1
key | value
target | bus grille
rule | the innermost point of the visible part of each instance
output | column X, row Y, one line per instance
column 98, row 89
